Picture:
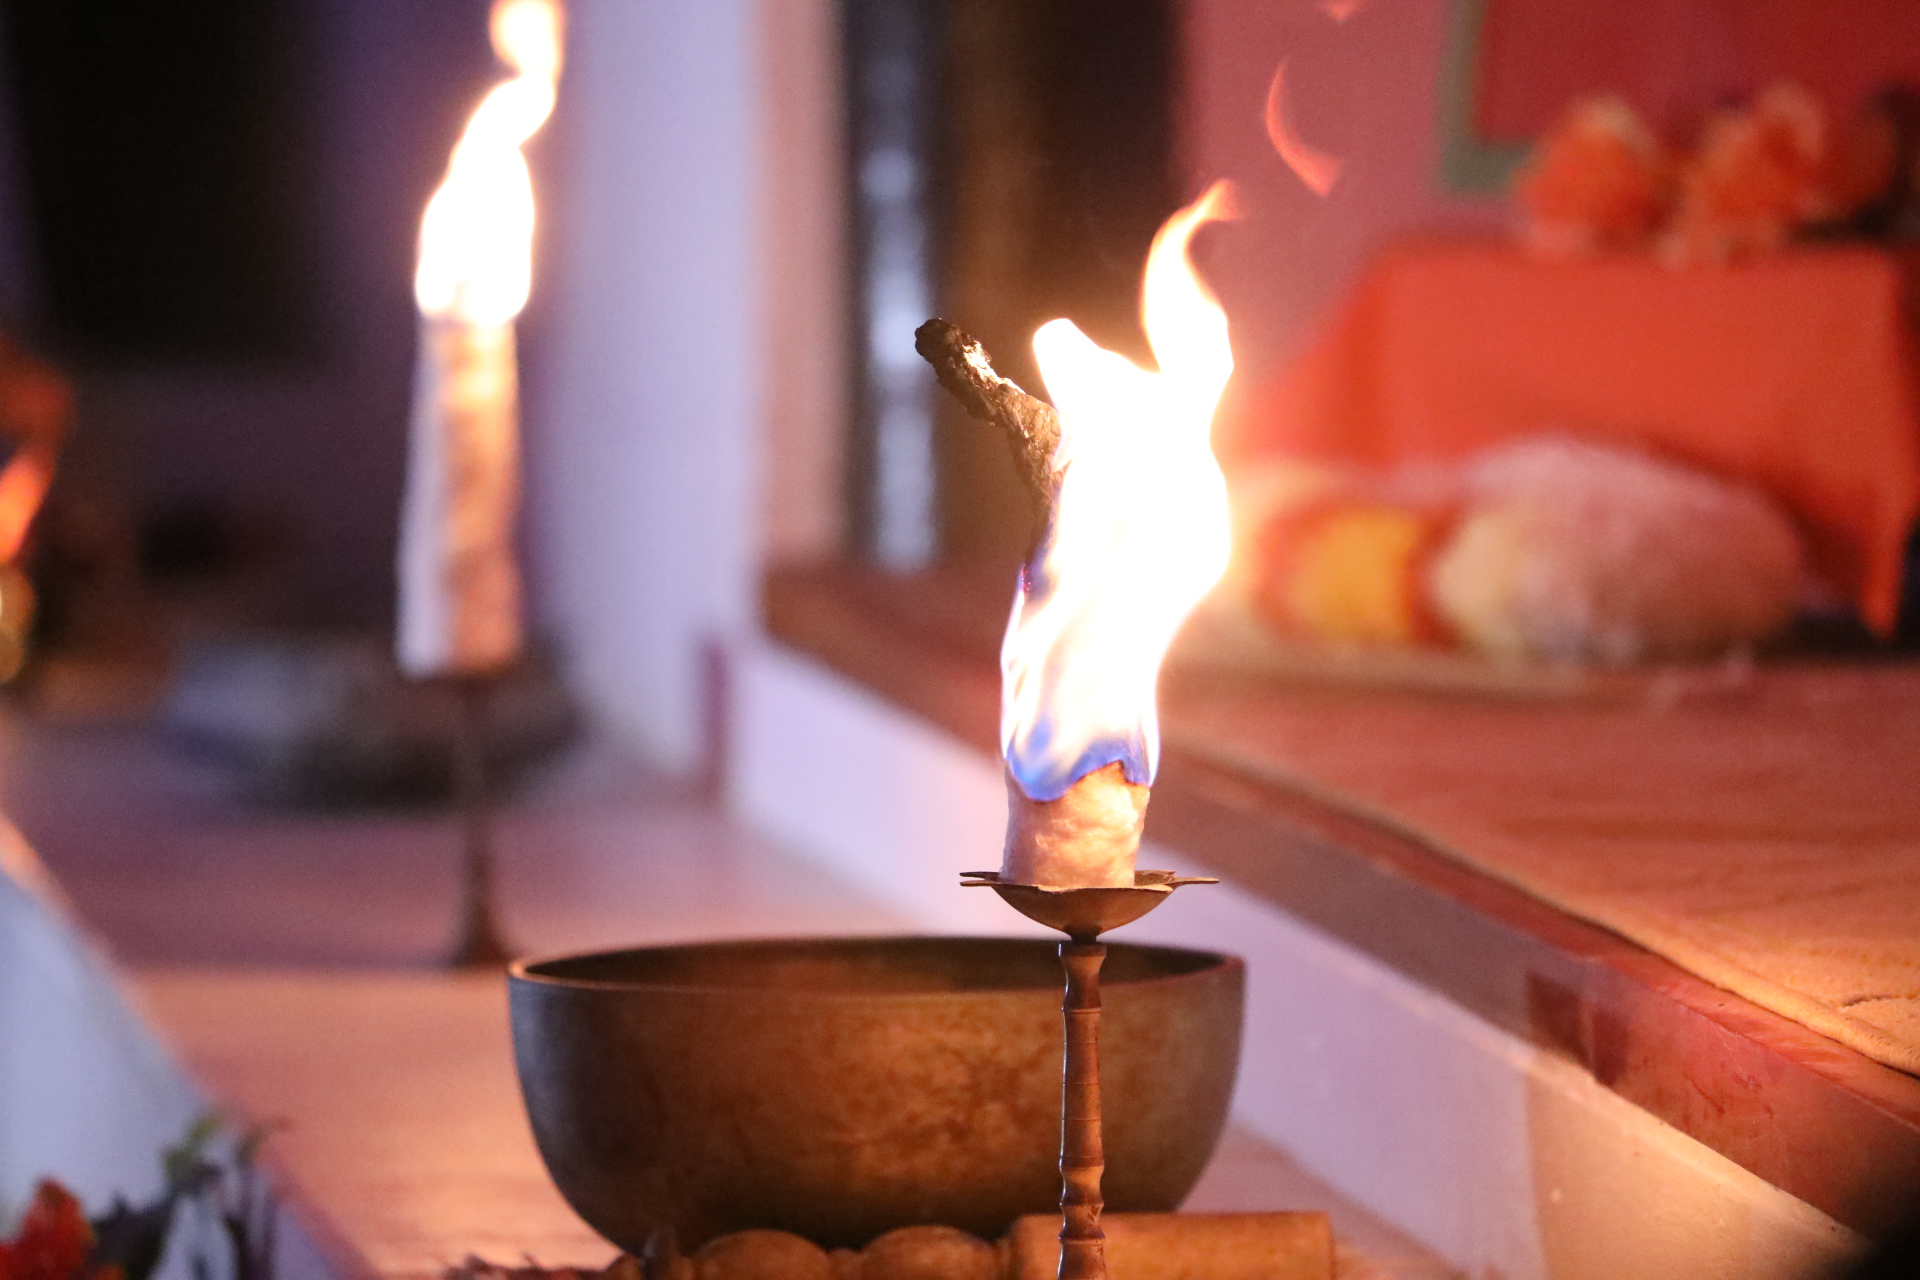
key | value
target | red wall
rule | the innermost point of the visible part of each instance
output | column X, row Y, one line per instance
column 1364, row 90
column 1674, row 60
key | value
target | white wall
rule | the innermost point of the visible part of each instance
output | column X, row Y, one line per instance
column 87, row 1095
column 804, row 326
column 676, row 441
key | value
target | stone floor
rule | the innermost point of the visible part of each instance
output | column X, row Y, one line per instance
column 290, row 958
column 167, row 861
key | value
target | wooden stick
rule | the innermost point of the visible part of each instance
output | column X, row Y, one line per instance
column 1083, row 1157
column 481, row 944
column 1031, row 426
column 1218, row 1246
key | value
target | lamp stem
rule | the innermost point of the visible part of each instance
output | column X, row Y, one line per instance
column 1082, row 1157
column 481, row 943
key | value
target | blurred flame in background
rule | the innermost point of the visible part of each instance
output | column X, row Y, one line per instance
column 23, row 487
column 1139, row 531
column 1315, row 168
column 476, row 238
column 36, row 408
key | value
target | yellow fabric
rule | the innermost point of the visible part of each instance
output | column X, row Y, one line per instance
column 1354, row 577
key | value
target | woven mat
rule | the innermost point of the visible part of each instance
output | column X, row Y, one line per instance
column 1765, row 837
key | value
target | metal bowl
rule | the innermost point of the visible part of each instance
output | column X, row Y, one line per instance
column 840, row 1088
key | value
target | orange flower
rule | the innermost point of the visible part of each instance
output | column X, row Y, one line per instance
column 1756, row 176
column 1598, row 181
column 54, row 1238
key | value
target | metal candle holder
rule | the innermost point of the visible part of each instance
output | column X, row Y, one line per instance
column 1083, row 915
column 480, row 943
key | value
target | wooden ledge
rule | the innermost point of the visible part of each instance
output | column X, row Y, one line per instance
column 1807, row 1114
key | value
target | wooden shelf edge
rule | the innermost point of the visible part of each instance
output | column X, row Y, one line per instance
column 1811, row 1116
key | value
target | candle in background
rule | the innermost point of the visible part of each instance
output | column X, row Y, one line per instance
column 460, row 611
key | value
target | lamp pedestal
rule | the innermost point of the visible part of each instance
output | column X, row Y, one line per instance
column 480, row 942
column 1083, row 915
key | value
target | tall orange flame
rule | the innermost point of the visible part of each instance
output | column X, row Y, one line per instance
column 476, row 238
column 1139, row 533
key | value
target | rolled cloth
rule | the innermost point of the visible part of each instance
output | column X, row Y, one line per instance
column 1088, row 838
column 459, row 584
column 1186, row 1246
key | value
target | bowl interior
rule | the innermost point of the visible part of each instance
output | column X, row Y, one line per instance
column 860, row 966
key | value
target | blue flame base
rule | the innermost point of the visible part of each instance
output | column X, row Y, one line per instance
column 1046, row 779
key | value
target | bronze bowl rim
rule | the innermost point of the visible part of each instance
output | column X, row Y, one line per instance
column 1022, row 991
column 522, row 970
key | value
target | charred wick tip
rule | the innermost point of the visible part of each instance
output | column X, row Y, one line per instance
column 1031, row 426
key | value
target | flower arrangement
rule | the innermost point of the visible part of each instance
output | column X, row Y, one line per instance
column 55, row 1241
column 214, row 1216
column 1758, row 175
column 1546, row 549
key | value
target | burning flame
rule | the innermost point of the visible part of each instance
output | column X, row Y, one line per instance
column 36, row 408
column 1139, row 531
column 1315, row 168
column 476, row 238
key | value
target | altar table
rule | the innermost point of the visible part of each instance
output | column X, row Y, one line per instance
column 1793, row 373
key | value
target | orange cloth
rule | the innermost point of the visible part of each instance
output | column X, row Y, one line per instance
column 1792, row 373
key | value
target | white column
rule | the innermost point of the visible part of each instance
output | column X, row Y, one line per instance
column 695, row 220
